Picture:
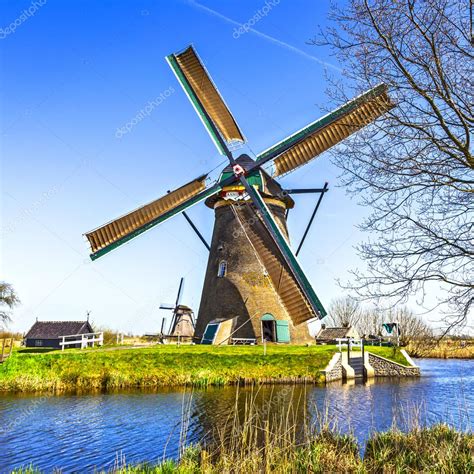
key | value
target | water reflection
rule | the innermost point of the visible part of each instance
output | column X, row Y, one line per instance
column 84, row 432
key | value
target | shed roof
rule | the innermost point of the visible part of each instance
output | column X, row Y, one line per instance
column 55, row 329
column 333, row 333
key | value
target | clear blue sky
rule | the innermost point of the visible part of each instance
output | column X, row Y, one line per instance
column 73, row 73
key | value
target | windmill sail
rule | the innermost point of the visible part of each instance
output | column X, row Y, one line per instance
column 273, row 250
column 309, row 142
column 180, row 292
column 111, row 235
column 205, row 97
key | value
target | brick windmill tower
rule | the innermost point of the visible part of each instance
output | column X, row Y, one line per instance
column 254, row 287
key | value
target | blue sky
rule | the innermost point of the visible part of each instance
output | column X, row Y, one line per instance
column 75, row 72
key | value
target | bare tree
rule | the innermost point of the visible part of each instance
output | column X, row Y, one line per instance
column 412, row 327
column 414, row 167
column 8, row 299
column 344, row 312
column 370, row 322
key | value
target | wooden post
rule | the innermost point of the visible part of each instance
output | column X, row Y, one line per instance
column 3, row 350
column 63, row 344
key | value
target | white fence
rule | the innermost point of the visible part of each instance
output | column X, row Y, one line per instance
column 349, row 342
column 85, row 340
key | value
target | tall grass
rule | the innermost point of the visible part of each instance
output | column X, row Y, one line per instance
column 445, row 349
column 284, row 439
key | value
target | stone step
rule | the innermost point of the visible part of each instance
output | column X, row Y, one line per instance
column 357, row 363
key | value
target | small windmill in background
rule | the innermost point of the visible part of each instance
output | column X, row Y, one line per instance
column 182, row 319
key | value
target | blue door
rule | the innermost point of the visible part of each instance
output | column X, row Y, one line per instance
column 210, row 333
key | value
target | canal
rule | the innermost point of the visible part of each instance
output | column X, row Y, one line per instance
column 87, row 432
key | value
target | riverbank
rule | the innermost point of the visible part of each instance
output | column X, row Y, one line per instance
column 435, row 449
column 28, row 370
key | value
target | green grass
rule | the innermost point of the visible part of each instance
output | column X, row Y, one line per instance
column 165, row 365
column 391, row 353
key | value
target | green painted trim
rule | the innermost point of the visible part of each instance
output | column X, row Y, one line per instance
column 293, row 262
column 322, row 122
column 282, row 331
column 268, row 317
column 254, row 178
column 171, row 59
column 198, row 198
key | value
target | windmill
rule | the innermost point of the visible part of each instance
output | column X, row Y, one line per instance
column 254, row 286
column 182, row 319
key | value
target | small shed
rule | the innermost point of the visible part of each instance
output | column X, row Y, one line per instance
column 50, row 333
column 329, row 335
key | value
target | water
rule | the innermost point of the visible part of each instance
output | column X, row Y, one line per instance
column 84, row 432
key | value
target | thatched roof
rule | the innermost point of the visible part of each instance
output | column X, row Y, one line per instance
column 55, row 329
column 331, row 334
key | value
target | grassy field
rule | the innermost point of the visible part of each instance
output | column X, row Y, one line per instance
column 166, row 365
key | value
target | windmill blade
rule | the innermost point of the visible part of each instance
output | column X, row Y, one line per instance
column 206, row 99
column 106, row 238
column 288, row 278
column 309, row 142
column 166, row 306
column 180, row 293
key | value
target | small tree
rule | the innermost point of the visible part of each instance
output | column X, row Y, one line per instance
column 8, row 300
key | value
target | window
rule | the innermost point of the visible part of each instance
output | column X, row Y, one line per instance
column 38, row 342
column 222, row 269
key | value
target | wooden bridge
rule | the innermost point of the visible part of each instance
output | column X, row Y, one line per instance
column 7, row 348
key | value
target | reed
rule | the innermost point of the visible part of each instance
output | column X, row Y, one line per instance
column 281, row 437
column 284, row 439
column 444, row 349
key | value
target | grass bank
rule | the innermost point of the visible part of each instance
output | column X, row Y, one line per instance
column 162, row 365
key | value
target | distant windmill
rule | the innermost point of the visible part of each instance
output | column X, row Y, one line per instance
column 254, row 286
column 182, row 319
